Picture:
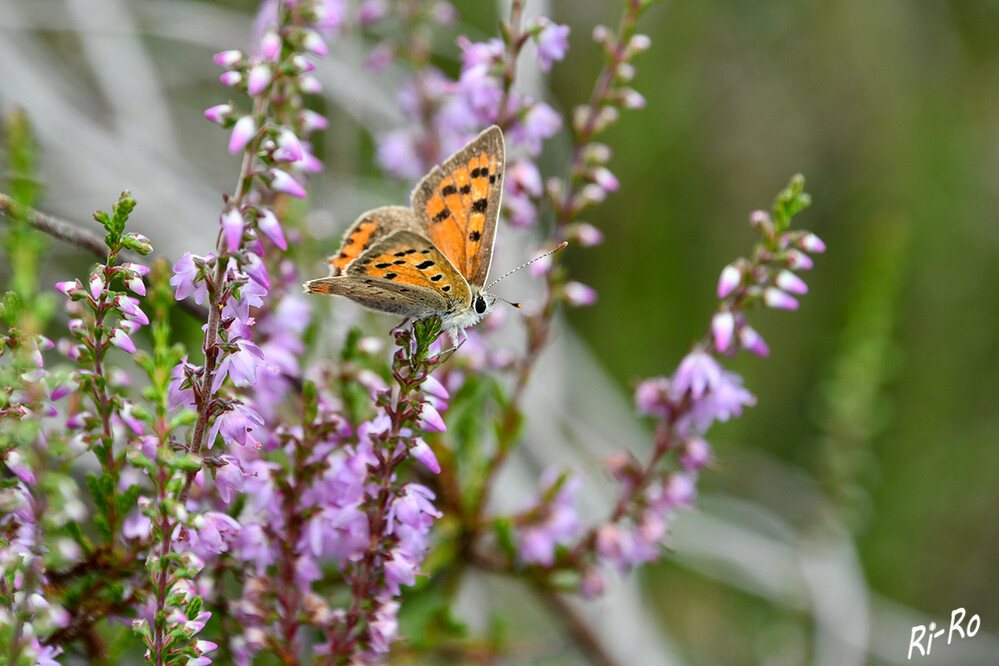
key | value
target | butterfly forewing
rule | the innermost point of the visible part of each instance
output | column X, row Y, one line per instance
column 459, row 204
column 369, row 228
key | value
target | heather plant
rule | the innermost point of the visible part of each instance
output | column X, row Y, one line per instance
column 244, row 497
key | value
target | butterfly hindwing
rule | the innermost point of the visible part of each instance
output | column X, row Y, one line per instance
column 459, row 203
column 368, row 229
column 401, row 273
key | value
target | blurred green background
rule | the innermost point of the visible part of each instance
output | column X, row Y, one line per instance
column 877, row 415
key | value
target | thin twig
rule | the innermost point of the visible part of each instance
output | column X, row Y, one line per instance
column 76, row 235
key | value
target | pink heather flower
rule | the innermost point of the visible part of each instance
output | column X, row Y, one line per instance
column 539, row 123
column 121, row 340
column 268, row 223
column 593, row 583
column 397, row 154
column 798, row 261
column 232, row 228
column 697, row 374
column 523, row 176
column 302, row 64
column 129, row 307
column 380, row 57
column 752, row 341
column 521, row 210
column 474, row 54
column 579, row 294
column 639, row 43
column 240, row 365
column 558, row 525
column 228, row 58
column 310, row 84
column 812, row 243
column 632, row 99
column 187, row 278
column 680, row 489
column 775, row 298
column 258, row 79
column 289, row 148
column 432, row 386
column 136, row 285
column 242, row 133
column 139, row 269
column 725, row 400
column 282, row 181
column 69, row 287
column 430, row 419
column 414, row 509
column 270, row 46
column 790, row 282
column 218, row 113
column 372, row 10
column 312, row 121
column 722, row 328
column 214, row 530
column 16, row 464
column 587, row 235
column 731, row 277
column 422, row 452
column 760, row 219
column 384, row 627
column 314, row 43
column 695, row 454
column 230, row 79
column 553, row 42
column 652, row 397
column 235, row 426
column 96, row 284
column 603, row 177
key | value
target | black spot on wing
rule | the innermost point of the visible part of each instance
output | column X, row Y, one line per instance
column 423, row 265
column 474, row 236
column 391, row 276
column 383, row 265
column 480, row 205
column 448, row 190
column 437, row 278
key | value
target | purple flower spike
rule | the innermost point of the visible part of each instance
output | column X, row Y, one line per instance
column 729, row 279
column 422, row 452
column 652, row 397
column 218, row 113
column 722, row 328
column 242, row 133
column 258, row 79
column 120, row 339
column 268, row 223
column 282, row 181
column 775, row 298
column 232, row 227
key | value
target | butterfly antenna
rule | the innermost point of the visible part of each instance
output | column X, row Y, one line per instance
column 524, row 265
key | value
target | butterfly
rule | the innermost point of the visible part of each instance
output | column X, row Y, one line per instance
column 432, row 258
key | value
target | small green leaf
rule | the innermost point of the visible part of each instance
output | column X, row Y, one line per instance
column 97, row 493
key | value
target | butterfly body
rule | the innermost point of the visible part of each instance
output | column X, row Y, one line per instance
column 433, row 258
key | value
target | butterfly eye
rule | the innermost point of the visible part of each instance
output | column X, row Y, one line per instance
column 480, row 304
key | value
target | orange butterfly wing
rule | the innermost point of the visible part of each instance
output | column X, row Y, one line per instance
column 459, row 204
